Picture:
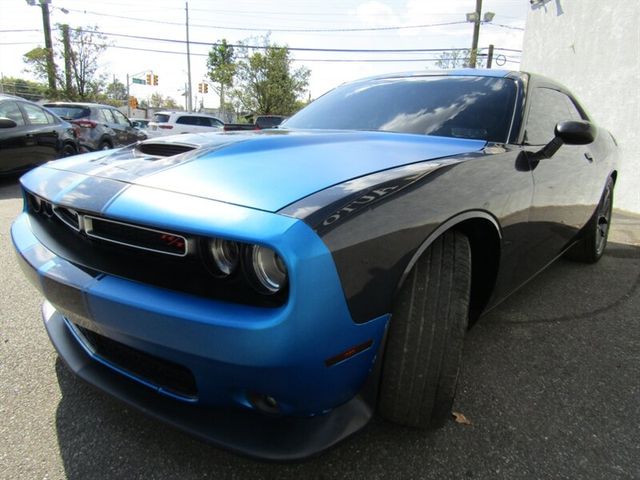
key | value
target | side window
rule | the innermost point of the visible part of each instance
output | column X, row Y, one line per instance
column 11, row 111
column 35, row 115
column 106, row 113
column 187, row 120
column 573, row 110
column 120, row 118
column 548, row 108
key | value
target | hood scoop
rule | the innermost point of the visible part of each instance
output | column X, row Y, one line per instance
column 163, row 149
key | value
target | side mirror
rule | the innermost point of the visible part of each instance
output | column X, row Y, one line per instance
column 572, row 132
column 7, row 123
column 578, row 132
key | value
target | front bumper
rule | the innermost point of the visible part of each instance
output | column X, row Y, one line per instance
column 246, row 432
column 233, row 351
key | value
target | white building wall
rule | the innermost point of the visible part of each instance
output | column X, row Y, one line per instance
column 593, row 48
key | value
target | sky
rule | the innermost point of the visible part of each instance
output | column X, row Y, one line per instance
column 398, row 24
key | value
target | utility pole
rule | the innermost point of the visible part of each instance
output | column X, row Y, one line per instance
column 128, row 97
column 476, row 34
column 67, row 60
column 490, row 56
column 188, row 92
column 51, row 67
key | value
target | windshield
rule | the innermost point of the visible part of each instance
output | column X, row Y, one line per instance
column 69, row 113
column 448, row 106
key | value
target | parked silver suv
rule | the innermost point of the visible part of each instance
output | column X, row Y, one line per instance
column 100, row 127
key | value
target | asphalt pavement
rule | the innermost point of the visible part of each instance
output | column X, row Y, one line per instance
column 550, row 385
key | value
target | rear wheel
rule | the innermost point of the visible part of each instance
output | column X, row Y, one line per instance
column 68, row 150
column 591, row 246
column 424, row 345
column 105, row 145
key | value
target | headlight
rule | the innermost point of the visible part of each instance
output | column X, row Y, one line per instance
column 225, row 254
column 269, row 269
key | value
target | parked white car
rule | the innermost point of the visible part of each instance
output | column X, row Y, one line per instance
column 173, row 123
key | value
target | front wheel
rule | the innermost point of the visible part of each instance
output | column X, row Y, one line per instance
column 424, row 345
column 590, row 247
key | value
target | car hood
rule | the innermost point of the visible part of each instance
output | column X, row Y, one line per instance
column 264, row 170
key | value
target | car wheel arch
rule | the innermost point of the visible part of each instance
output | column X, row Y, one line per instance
column 485, row 237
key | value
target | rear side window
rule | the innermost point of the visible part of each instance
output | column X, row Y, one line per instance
column 69, row 113
column 160, row 118
column 35, row 115
column 11, row 111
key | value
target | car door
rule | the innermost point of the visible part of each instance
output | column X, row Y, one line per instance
column 15, row 147
column 566, row 186
column 127, row 134
column 42, row 132
column 188, row 124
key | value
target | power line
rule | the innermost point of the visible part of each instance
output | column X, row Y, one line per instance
column 298, row 49
column 327, row 60
column 263, row 29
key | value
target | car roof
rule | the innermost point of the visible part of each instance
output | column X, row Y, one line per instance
column 78, row 104
column 6, row 96
column 179, row 112
column 459, row 72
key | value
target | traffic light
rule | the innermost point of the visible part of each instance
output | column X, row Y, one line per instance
column 199, row 88
column 205, row 88
column 133, row 102
column 149, row 79
column 155, row 79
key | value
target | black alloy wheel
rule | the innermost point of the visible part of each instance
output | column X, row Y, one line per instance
column 590, row 248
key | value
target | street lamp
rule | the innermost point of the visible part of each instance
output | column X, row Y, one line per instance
column 476, row 18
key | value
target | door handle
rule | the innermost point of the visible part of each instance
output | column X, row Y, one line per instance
column 589, row 157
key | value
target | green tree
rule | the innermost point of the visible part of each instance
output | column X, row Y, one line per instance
column 266, row 83
column 23, row 88
column 221, row 69
column 87, row 46
column 157, row 100
column 116, row 91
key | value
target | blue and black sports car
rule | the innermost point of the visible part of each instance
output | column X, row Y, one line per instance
column 270, row 291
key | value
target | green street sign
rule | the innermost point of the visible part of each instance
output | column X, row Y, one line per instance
column 138, row 80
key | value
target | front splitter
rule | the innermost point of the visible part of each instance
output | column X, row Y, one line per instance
column 245, row 432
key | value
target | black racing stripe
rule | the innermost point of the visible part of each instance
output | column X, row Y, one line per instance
column 92, row 194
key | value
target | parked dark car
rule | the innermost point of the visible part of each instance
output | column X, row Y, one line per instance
column 269, row 291
column 31, row 135
column 101, row 127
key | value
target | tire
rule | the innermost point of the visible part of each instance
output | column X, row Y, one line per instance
column 68, row 150
column 105, row 145
column 591, row 246
column 424, row 345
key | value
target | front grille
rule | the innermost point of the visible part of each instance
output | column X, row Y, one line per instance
column 167, row 375
column 135, row 236
column 163, row 149
column 175, row 261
